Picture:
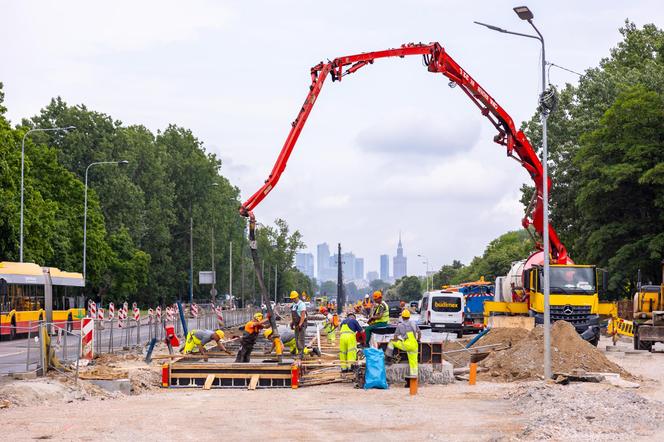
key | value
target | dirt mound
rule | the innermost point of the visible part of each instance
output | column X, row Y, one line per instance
column 48, row 390
column 507, row 336
column 568, row 352
column 144, row 380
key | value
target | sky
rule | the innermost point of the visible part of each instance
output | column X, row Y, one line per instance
column 389, row 149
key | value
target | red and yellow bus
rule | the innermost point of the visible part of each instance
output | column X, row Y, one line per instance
column 30, row 293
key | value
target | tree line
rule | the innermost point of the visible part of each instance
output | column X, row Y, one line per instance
column 139, row 215
column 606, row 152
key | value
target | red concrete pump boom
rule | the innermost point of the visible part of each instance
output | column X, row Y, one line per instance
column 437, row 60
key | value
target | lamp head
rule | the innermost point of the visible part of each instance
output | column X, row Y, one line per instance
column 524, row 13
column 123, row 162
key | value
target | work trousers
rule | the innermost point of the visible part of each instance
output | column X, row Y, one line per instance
column 331, row 335
column 370, row 328
column 299, row 340
column 410, row 346
column 347, row 349
column 191, row 343
column 246, row 347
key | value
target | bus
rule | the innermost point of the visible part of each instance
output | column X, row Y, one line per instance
column 30, row 293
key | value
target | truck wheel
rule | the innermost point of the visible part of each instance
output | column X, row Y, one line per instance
column 594, row 341
column 636, row 340
column 460, row 334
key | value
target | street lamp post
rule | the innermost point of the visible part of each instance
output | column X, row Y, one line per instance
column 426, row 261
column 85, row 208
column 525, row 14
column 51, row 129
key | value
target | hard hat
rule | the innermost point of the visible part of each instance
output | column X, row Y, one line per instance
column 405, row 314
column 377, row 294
column 220, row 333
column 267, row 333
column 366, row 296
column 294, row 295
column 323, row 310
column 258, row 316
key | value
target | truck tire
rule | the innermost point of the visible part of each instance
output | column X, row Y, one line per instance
column 594, row 341
column 460, row 334
column 639, row 344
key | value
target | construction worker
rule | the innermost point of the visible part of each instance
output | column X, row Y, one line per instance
column 288, row 339
column 248, row 340
column 367, row 305
column 380, row 315
column 348, row 343
column 330, row 324
column 406, row 338
column 198, row 338
column 298, row 321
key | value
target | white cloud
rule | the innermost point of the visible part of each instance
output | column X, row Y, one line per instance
column 333, row 201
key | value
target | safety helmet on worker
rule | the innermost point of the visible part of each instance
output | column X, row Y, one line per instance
column 267, row 333
column 405, row 314
column 220, row 333
column 377, row 294
column 258, row 316
column 324, row 310
column 366, row 296
column 294, row 295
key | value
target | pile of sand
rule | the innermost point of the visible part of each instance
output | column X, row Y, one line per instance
column 568, row 352
column 506, row 336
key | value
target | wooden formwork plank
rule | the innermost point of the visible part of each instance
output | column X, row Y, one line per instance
column 208, row 382
column 227, row 376
column 253, row 382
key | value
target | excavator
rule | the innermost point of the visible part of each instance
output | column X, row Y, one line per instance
column 580, row 306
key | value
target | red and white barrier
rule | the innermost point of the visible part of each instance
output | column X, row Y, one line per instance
column 137, row 313
column 220, row 317
column 159, row 313
column 122, row 315
column 92, row 309
column 100, row 314
column 111, row 311
column 170, row 314
column 150, row 315
column 87, row 338
column 193, row 310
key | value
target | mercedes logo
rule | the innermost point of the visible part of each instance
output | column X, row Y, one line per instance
column 568, row 310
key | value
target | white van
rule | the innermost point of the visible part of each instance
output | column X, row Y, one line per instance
column 443, row 311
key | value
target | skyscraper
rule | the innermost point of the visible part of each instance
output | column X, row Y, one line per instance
column 304, row 262
column 359, row 268
column 347, row 265
column 372, row 275
column 385, row 268
column 400, row 262
column 323, row 262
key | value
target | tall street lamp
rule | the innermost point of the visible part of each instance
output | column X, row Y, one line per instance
column 85, row 208
column 525, row 14
column 37, row 129
column 426, row 261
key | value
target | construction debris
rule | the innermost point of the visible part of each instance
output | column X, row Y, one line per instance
column 427, row 374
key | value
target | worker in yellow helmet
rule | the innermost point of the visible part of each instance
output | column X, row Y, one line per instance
column 198, row 338
column 298, row 321
column 288, row 339
column 380, row 315
column 406, row 338
column 248, row 340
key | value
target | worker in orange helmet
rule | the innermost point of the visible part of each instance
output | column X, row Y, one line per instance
column 367, row 305
column 330, row 324
column 380, row 316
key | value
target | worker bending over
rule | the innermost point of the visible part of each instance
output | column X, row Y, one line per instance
column 406, row 338
column 248, row 340
column 330, row 324
column 198, row 338
column 348, row 343
column 298, row 321
column 380, row 315
column 288, row 339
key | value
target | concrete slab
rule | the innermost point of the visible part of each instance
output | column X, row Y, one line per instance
column 117, row 385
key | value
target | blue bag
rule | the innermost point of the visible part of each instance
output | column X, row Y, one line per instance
column 375, row 369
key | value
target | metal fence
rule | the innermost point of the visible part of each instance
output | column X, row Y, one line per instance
column 25, row 355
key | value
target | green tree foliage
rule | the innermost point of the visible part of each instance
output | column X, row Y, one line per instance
column 139, row 215
column 495, row 261
column 605, row 145
column 407, row 289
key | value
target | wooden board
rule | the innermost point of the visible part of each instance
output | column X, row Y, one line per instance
column 525, row 322
column 208, row 382
column 227, row 376
column 253, row 382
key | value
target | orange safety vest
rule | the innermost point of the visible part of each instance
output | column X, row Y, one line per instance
column 335, row 320
column 367, row 304
column 253, row 327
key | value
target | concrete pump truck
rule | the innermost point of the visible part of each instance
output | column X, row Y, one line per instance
column 575, row 289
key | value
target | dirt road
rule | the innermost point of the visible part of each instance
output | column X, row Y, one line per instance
column 321, row 413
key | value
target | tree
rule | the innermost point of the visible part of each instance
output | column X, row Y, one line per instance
column 408, row 288
column 378, row 284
